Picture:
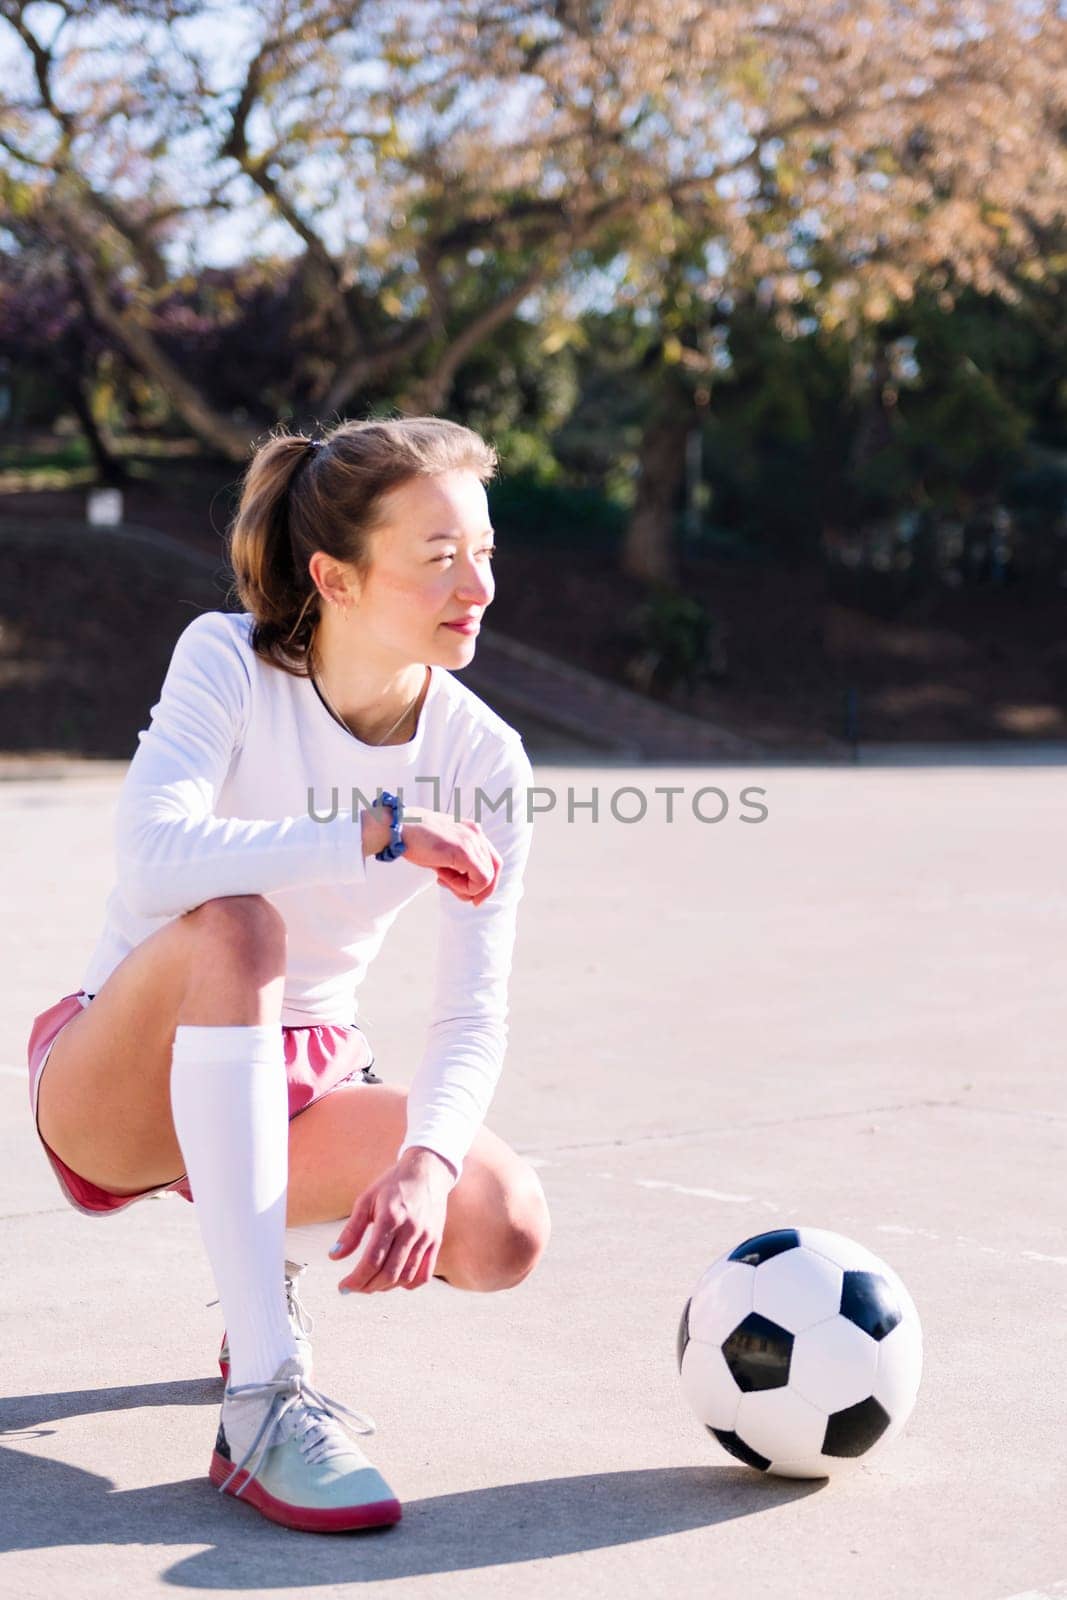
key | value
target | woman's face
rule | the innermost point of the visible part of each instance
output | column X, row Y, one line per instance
column 430, row 566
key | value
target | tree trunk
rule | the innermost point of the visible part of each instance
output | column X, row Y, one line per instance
column 110, row 470
column 217, row 432
column 649, row 550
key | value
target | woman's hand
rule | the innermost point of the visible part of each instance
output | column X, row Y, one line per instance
column 405, row 1211
column 460, row 854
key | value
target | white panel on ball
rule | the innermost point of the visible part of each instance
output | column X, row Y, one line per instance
column 834, row 1365
column 780, row 1421
column 797, row 1288
column 708, row 1385
column 900, row 1369
column 845, row 1253
column 721, row 1300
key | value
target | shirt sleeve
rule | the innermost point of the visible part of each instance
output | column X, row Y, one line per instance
column 172, row 851
column 468, row 1031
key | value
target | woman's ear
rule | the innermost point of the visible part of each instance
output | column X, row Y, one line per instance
column 335, row 583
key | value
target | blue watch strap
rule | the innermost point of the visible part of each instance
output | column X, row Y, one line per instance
column 396, row 845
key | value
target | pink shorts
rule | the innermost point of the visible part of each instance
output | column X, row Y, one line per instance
column 318, row 1059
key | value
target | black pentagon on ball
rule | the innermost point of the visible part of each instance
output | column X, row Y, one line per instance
column 852, row 1432
column 869, row 1302
column 683, row 1332
column 755, row 1251
column 737, row 1447
column 758, row 1353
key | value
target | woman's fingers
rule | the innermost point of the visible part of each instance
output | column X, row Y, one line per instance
column 415, row 1276
column 352, row 1231
column 379, row 1244
column 493, row 875
column 475, row 871
column 460, row 854
column 392, row 1265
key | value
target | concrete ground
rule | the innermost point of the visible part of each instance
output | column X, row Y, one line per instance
column 851, row 1015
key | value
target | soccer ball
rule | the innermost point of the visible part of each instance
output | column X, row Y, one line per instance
column 801, row 1352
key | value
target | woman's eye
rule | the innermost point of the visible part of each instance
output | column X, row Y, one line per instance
column 490, row 551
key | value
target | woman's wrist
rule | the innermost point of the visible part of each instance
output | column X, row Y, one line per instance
column 420, row 1158
column 376, row 823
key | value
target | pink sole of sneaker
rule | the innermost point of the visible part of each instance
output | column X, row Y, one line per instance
column 337, row 1519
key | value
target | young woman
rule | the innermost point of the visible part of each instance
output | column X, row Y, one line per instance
column 213, row 1036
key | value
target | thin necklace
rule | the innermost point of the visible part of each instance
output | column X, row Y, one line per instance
column 332, row 708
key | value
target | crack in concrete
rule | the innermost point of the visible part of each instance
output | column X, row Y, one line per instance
column 680, row 1135
column 736, row 1127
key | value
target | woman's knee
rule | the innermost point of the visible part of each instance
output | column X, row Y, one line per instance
column 529, row 1223
column 243, row 930
column 237, row 962
column 508, row 1223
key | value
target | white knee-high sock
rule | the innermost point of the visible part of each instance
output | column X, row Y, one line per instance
column 230, row 1105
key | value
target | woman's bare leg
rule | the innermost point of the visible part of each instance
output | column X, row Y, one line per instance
column 104, row 1105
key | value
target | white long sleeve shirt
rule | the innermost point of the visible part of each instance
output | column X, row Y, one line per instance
column 244, row 783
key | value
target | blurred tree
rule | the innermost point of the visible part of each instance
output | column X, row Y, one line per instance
column 438, row 167
column 45, row 331
column 779, row 431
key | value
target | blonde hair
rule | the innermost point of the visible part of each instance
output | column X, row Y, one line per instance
column 300, row 495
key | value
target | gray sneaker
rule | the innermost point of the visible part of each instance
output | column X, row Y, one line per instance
column 300, row 1321
column 282, row 1448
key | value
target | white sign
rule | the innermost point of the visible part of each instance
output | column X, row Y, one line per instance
column 105, row 507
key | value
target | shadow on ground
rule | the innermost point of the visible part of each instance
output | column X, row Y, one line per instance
column 489, row 1527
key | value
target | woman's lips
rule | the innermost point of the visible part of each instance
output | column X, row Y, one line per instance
column 470, row 626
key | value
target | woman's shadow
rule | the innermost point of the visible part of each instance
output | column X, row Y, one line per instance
column 48, row 1504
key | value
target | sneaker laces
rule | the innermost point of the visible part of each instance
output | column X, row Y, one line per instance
column 297, row 1411
column 297, row 1310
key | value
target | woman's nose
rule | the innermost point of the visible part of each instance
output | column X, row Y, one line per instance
column 476, row 585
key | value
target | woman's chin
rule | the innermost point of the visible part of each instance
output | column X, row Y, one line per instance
column 450, row 660
column 460, row 644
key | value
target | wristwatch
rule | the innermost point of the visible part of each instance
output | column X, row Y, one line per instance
column 396, row 845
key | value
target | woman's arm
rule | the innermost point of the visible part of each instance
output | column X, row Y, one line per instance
column 172, row 851
column 468, row 1031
